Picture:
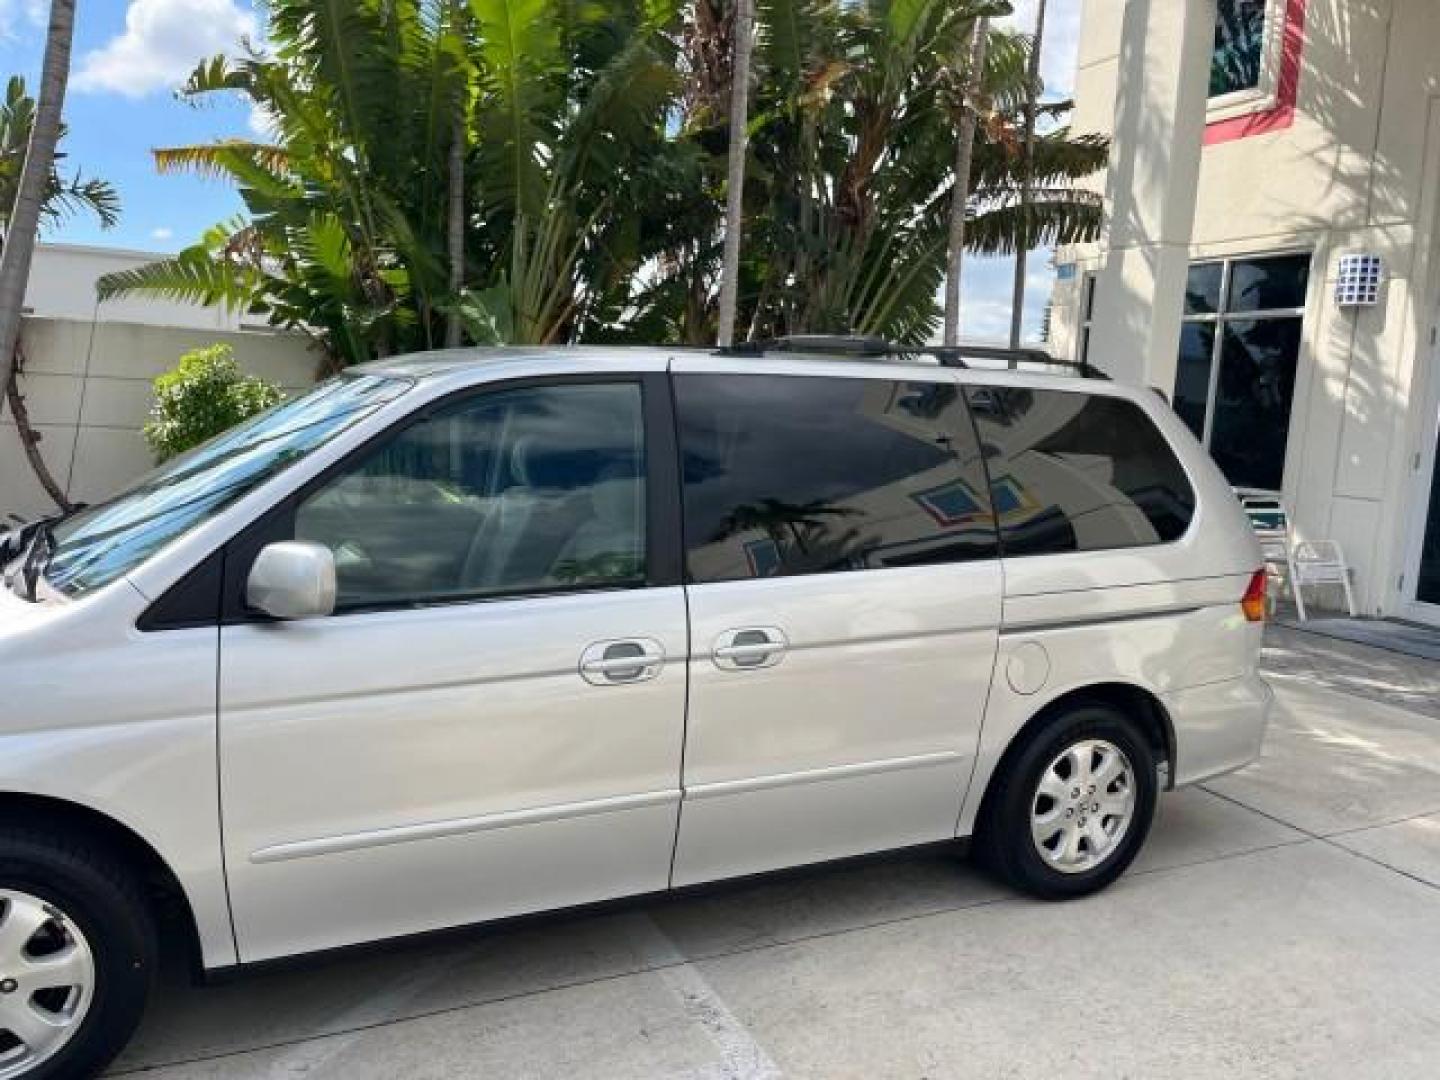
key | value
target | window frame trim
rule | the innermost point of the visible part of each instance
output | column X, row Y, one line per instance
column 1243, row 113
column 662, row 555
column 1265, row 94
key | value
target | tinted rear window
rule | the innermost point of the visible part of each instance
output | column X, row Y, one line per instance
column 1073, row 472
column 792, row 475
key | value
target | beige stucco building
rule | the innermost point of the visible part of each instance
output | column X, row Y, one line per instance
column 1256, row 144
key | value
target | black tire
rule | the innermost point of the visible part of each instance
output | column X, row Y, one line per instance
column 1003, row 841
column 106, row 903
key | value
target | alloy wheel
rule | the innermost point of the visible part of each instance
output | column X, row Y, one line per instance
column 1083, row 806
column 47, row 982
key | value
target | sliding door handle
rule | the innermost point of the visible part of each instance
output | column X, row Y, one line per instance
column 749, row 648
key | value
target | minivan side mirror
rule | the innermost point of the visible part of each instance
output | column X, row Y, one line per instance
column 292, row 580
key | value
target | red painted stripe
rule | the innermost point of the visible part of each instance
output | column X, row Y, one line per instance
column 1287, row 88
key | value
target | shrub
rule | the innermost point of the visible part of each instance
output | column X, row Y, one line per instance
column 201, row 396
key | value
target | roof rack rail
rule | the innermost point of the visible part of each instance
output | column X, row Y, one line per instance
column 872, row 347
column 843, row 344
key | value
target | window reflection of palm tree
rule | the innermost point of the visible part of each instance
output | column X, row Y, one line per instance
column 776, row 518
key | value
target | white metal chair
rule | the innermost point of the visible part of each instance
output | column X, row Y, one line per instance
column 1320, row 562
column 1295, row 565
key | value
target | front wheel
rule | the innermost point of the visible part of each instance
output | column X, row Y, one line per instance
column 76, row 952
column 1073, row 806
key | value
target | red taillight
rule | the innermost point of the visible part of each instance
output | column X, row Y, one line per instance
column 1253, row 602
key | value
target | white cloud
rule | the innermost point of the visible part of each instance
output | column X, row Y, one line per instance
column 985, row 292
column 164, row 232
column 1062, row 41
column 19, row 15
column 162, row 42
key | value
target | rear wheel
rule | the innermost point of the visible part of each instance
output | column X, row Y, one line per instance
column 1073, row 807
column 77, row 949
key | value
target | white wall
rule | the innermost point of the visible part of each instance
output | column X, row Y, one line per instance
column 88, row 373
column 62, row 286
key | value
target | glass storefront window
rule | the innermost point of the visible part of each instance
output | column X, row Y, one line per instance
column 1268, row 284
column 1239, row 351
column 1202, row 288
column 1238, row 62
column 1192, row 379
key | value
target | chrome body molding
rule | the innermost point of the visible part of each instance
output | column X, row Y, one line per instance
column 434, row 830
column 820, row 776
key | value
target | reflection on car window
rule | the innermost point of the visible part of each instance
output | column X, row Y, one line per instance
column 1078, row 472
column 516, row 491
column 105, row 541
column 786, row 475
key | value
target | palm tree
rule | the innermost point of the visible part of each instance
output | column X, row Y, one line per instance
column 960, row 195
column 1017, row 296
column 35, row 180
column 600, row 142
column 64, row 195
column 854, row 148
column 455, row 162
column 735, row 171
column 348, row 227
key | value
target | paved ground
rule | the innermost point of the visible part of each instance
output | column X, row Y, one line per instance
column 1284, row 921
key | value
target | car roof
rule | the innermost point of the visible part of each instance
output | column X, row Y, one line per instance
column 456, row 367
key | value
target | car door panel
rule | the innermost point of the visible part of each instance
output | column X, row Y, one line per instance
column 439, row 751
column 844, row 603
column 859, row 739
column 394, row 772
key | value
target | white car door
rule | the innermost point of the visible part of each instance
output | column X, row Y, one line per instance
column 844, row 599
column 491, row 722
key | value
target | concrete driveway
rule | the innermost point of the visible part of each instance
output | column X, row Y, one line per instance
column 1283, row 921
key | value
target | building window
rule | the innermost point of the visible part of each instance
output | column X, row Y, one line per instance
column 1239, row 349
column 1245, row 65
column 1087, row 318
column 1239, row 58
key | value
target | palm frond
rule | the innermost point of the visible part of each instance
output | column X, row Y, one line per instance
column 194, row 276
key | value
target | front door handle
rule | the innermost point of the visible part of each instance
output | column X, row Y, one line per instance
column 749, row 648
column 627, row 660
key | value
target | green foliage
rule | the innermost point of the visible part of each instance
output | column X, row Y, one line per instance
column 203, row 395
column 594, row 162
column 65, row 194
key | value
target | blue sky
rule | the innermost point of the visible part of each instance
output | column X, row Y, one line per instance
column 131, row 54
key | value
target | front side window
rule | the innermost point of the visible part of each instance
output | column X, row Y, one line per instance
column 1077, row 472
column 1239, row 353
column 517, row 491
column 98, row 545
column 792, row 475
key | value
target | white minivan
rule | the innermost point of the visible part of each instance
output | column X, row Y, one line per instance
column 464, row 635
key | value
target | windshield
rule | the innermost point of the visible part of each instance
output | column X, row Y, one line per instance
column 99, row 544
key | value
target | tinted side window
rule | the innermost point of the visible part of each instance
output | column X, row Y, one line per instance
column 1072, row 472
column 798, row 475
column 514, row 491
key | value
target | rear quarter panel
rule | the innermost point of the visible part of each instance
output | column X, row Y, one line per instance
column 1164, row 618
